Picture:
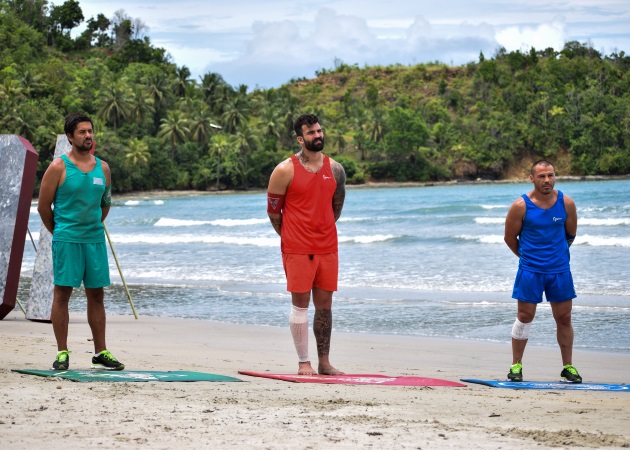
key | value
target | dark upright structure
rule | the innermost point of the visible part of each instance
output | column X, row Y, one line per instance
column 18, row 164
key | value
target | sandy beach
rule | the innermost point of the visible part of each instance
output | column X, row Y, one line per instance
column 261, row 413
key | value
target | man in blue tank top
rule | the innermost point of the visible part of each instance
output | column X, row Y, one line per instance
column 539, row 228
column 79, row 186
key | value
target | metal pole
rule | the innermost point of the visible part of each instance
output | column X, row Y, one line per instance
column 35, row 247
column 32, row 241
column 21, row 307
column 120, row 271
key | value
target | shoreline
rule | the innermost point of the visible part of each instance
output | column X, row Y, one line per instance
column 375, row 185
column 264, row 413
column 117, row 304
column 369, row 185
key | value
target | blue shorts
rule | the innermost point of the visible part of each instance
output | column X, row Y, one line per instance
column 529, row 286
column 74, row 263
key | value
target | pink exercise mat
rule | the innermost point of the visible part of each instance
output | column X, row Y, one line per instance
column 378, row 380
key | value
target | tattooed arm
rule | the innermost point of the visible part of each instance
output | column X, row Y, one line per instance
column 278, row 184
column 340, row 193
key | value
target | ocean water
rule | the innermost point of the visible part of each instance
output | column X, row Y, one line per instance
column 426, row 261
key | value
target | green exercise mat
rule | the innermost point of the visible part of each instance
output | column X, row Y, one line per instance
column 127, row 375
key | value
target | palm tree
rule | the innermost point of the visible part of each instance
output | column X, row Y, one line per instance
column 359, row 119
column 219, row 144
column 174, row 129
column 137, row 152
column 375, row 127
column 157, row 87
column 30, row 82
column 270, row 120
column 114, row 102
column 23, row 120
column 183, row 80
column 289, row 110
column 233, row 117
column 337, row 135
column 141, row 106
column 10, row 93
column 201, row 124
column 246, row 141
column 214, row 89
column 236, row 110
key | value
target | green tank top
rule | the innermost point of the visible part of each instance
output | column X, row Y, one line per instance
column 77, row 204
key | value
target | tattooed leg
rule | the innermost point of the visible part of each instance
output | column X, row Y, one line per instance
column 322, row 327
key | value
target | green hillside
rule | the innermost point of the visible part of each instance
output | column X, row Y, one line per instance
column 160, row 129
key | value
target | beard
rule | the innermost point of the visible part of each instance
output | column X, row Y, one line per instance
column 316, row 145
column 84, row 146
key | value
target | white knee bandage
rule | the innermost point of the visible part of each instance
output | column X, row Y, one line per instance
column 521, row 330
column 298, row 322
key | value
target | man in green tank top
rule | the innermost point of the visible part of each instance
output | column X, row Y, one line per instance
column 79, row 186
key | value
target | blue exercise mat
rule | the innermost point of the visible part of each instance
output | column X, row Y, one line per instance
column 550, row 385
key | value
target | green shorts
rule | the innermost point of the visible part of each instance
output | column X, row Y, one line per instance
column 75, row 263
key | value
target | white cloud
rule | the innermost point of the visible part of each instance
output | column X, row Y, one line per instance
column 301, row 50
column 542, row 36
column 269, row 42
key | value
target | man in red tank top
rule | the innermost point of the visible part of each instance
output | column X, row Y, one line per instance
column 305, row 197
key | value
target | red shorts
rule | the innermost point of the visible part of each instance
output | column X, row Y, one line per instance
column 304, row 272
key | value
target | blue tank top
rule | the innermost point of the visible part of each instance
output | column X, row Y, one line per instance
column 77, row 203
column 543, row 245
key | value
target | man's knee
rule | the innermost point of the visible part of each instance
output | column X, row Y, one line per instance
column 322, row 299
column 562, row 313
column 96, row 295
column 563, row 320
column 62, row 294
column 525, row 317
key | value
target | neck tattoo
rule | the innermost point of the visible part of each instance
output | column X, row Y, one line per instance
column 305, row 159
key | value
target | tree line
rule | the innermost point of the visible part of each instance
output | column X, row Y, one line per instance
column 159, row 128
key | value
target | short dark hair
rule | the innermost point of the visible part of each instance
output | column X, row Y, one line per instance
column 72, row 120
column 540, row 162
column 304, row 119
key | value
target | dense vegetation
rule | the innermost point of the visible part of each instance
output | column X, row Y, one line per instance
column 160, row 129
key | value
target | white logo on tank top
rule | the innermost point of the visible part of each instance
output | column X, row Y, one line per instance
column 555, row 219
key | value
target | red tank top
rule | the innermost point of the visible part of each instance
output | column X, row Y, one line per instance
column 308, row 221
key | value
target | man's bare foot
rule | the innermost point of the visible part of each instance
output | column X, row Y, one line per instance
column 328, row 370
column 305, row 368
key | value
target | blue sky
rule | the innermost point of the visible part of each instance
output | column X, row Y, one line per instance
column 265, row 43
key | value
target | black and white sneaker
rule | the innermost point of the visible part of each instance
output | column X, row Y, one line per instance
column 570, row 375
column 63, row 361
column 105, row 360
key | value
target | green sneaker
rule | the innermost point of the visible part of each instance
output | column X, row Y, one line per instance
column 570, row 375
column 63, row 361
column 105, row 360
column 516, row 372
